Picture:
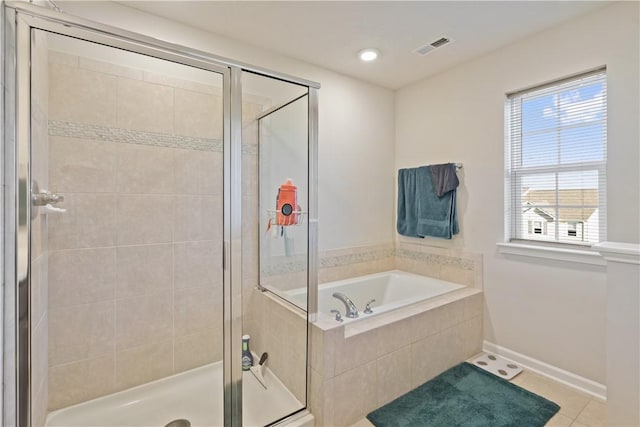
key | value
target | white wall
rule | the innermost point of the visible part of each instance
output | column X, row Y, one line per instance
column 356, row 131
column 551, row 311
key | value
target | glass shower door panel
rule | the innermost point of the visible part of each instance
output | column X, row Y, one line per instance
column 127, row 237
column 274, row 150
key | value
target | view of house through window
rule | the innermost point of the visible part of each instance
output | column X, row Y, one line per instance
column 556, row 142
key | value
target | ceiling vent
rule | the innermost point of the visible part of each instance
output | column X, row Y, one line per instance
column 423, row 50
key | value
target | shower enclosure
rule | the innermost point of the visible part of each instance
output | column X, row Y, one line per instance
column 145, row 232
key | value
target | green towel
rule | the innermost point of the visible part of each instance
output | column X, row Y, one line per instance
column 420, row 211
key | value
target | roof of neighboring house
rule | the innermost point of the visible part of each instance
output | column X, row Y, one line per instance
column 583, row 197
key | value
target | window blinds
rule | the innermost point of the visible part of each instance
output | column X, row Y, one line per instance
column 556, row 165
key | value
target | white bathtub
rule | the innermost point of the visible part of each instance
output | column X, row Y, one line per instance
column 391, row 290
column 195, row 395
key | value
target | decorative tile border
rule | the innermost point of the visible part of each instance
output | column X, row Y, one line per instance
column 458, row 262
column 130, row 136
column 329, row 261
column 288, row 267
column 250, row 149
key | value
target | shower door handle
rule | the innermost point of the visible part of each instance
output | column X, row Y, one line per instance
column 45, row 198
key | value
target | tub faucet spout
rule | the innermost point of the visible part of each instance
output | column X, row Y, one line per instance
column 350, row 308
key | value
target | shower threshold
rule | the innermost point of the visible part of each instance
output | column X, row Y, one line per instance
column 194, row 395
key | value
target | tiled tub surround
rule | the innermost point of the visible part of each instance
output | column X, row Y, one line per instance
column 363, row 365
column 134, row 294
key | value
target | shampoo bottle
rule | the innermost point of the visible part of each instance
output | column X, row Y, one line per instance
column 247, row 357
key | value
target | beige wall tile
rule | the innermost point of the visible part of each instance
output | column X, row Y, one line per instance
column 80, row 381
column 473, row 306
column 63, row 58
column 39, row 403
column 109, row 68
column 81, row 96
column 145, row 106
column 355, row 351
column 81, row 332
column 144, row 269
column 197, row 309
column 198, row 264
column 199, row 349
column 250, row 178
column 355, row 394
column 198, row 114
column 144, row 169
column 451, row 314
column 81, row 276
column 39, row 236
column 425, row 360
column 144, row 219
column 81, row 165
column 457, row 275
column 139, row 365
column 197, row 218
column 198, row 172
column 393, row 336
column 39, row 361
column 316, row 394
column 393, row 375
column 214, row 88
column 90, row 221
column 39, row 289
column 144, row 320
column 425, row 324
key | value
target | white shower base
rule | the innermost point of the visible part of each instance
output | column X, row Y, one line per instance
column 195, row 395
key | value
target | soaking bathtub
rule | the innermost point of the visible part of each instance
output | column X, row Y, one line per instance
column 390, row 289
column 194, row 395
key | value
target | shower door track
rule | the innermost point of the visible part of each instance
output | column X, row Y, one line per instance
column 19, row 19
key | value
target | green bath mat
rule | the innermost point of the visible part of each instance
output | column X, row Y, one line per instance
column 466, row 396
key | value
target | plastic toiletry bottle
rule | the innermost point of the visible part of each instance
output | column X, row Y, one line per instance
column 286, row 203
column 247, row 357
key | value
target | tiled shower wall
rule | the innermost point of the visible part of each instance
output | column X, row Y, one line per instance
column 134, row 295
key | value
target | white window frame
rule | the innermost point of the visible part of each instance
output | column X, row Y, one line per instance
column 569, row 251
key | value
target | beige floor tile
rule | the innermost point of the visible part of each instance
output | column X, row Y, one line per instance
column 594, row 414
column 363, row 423
column 518, row 379
column 571, row 402
column 559, row 420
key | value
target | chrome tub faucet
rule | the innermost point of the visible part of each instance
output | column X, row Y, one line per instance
column 351, row 310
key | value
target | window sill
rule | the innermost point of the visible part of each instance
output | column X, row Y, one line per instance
column 580, row 256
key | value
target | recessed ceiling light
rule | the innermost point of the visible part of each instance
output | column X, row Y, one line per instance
column 368, row 54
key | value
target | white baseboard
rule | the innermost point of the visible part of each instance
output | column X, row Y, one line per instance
column 565, row 377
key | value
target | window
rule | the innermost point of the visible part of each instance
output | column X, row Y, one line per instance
column 556, row 161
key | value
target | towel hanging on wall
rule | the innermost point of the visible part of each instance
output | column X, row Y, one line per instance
column 421, row 212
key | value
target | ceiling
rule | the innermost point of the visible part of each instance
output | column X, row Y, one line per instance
column 330, row 34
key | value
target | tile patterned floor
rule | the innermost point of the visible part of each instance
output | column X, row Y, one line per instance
column 576, row 408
